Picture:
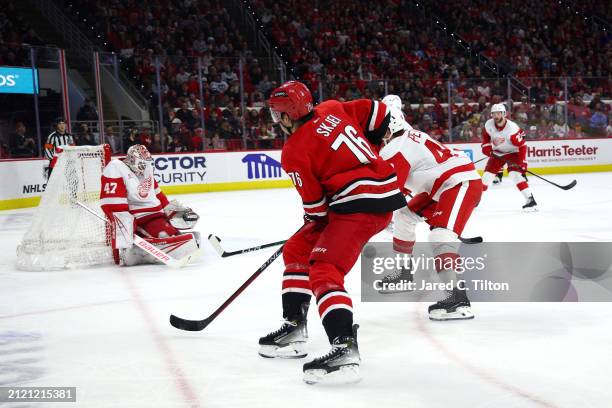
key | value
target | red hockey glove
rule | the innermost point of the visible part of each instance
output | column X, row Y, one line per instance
column 487, row 150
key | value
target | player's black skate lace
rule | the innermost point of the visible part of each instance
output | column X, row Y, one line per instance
column 453, row 300
column 531, row 202
column 397, row 275
column 344, row 352
column 292, row 329
column 498, row 178
column 284, row 329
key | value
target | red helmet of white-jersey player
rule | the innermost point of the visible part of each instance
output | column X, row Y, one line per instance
column 292, row 98
column 138, row 159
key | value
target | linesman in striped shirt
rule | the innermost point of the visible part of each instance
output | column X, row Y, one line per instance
column 60, row 137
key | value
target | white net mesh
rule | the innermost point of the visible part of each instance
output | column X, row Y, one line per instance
column 63, row 234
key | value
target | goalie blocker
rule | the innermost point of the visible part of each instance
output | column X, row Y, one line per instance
column 133, row 202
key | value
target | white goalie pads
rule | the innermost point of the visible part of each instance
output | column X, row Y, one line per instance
column 177, row 247
column 180, row 216
column 124, row 229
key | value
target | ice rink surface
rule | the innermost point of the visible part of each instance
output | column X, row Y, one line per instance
column 105, row 330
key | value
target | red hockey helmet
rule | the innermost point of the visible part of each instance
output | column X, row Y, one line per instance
column 292, row 98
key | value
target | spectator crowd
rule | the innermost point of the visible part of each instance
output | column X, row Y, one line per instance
column 213, row 86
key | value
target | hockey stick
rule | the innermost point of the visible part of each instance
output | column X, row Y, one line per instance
column 473, row 240
column 198, row 325
column 567, row 187
column 479, row 160
column 146, row 245
column 215, row 241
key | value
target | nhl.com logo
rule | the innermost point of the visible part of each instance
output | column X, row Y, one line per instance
column 8, row 80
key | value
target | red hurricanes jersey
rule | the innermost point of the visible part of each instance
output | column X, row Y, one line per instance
column 332, row 164
column 122, row 190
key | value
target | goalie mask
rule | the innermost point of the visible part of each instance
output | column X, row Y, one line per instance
column 139, row 159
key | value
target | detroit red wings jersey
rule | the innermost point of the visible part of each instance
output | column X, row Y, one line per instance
column 334, row 167
column 508, row 139
column 424, row 165
column 122, row 190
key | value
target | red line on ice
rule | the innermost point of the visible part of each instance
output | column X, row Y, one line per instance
column 172, row 365
column 478, row 371
column 63, row 309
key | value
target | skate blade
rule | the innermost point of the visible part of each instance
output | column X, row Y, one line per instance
column 292, row 350
column 530, row 209
column 462, row 313
column 348, row 374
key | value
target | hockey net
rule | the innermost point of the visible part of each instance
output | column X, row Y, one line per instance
column 63, row 234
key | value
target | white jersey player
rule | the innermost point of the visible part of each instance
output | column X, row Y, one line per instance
column 132, row 200
column 503, row 141
column 445, row 188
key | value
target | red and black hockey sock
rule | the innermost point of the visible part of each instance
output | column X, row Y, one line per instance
column 296, row 291
column 336, row 311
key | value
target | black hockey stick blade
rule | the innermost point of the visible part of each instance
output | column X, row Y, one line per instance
column 570, row 185
column 215, row 241
column 198, row 325
column 567, row 187
column 189, row 325
column 473, row 240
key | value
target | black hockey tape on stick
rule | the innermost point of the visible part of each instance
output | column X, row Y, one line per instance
column 215, row 241
column 198, row 325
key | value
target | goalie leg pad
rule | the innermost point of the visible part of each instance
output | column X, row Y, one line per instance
column 123, row 223
column 177, row 247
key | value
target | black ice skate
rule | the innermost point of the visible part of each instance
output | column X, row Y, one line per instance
column 498, row 178
column 455, row 306
column 397, row 281
column 339, row 366
column 531, row 204
column 289, row 341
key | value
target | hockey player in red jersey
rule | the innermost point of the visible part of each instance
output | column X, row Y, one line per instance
column 134, row 203
column 348, row 194
column 503, row 141
column 445, row 188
